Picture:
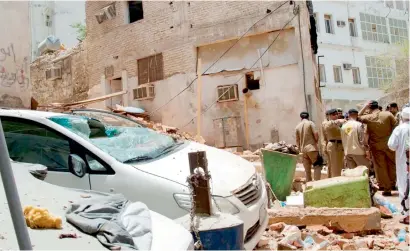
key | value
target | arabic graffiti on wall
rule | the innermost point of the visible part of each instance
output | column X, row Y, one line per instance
column 12, row 71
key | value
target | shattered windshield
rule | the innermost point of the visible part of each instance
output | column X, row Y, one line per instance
column 126, row 144
column 108, row 119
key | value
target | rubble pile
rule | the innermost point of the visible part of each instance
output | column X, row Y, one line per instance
column 282, row 147
column 168, row 130
column 277, row 147
column 280, row 236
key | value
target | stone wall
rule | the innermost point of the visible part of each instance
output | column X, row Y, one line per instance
column 71, row 87
column 401, row 97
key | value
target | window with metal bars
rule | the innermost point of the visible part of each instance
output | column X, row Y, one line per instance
column 150, row 69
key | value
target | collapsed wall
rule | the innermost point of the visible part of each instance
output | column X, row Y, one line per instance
column 401, row 97
column 60, row 76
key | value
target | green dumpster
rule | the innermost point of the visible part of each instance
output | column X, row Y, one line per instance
column 279, row 172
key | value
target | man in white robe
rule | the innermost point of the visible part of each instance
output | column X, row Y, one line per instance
column 397, row 142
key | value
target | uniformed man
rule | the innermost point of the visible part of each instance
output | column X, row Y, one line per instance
column 394, row 109
column 340, row 113
column 307, row 141
column 354, row 145
column 329, row 164
column 380, row 125
column 333, row 139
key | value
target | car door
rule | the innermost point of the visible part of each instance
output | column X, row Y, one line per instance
column 32, row 142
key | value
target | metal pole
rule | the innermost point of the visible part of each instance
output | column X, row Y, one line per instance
column 12, row 195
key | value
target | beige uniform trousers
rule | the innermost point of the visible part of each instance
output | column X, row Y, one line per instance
column 353, row 161
column 308, row 159
column 385, row 168
column 336, row 154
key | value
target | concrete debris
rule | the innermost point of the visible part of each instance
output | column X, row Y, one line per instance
column 278, row 147
column 168, row 130
column 345, row 219
column 320, row 229
column 281, row 236
column 348, row 235
column 282, row 147
column 349, row 246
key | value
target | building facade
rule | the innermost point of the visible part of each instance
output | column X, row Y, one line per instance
column 14, row 54
column 354, row 38
column 154, row 50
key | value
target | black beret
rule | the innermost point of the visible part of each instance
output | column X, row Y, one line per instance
column 304, row 114
column 353, row 111
column 374, row 103
column 332, row 111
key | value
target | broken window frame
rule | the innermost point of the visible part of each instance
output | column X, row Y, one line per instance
column 227, row 96
column 249, row 75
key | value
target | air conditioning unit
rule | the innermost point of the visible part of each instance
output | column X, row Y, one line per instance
column 106, row 13
column 144, row 92
column 347, row 66
column 341, row 23
column 54, row 73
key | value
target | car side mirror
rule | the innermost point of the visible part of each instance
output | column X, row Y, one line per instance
column 76, row 165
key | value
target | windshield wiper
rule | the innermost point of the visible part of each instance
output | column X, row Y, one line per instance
column 137, row 159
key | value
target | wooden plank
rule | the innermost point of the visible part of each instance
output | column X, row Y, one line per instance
column 87, row 101
column 201, row 190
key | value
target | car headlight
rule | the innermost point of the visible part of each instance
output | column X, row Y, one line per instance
column 184, row 202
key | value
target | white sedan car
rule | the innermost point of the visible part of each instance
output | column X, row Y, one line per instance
column 140, row 163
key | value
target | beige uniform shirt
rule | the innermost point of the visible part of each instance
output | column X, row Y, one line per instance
column 353, row 137
column 380, row 125
column 331, row 130
column 305, row 136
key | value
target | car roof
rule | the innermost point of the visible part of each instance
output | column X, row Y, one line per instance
column 29, row 113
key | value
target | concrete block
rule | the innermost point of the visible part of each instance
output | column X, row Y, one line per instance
column 338, row 192
column 346, row 219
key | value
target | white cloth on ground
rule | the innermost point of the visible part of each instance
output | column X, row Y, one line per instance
column 397, row 143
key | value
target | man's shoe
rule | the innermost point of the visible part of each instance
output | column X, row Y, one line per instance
column 385, row 193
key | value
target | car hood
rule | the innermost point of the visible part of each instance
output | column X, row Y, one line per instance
column 228, row 171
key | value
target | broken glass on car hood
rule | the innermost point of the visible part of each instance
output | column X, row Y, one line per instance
column 126, row 144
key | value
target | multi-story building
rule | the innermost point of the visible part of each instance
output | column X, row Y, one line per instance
column 55, row 18
column 249, row 95
column 354, row 38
